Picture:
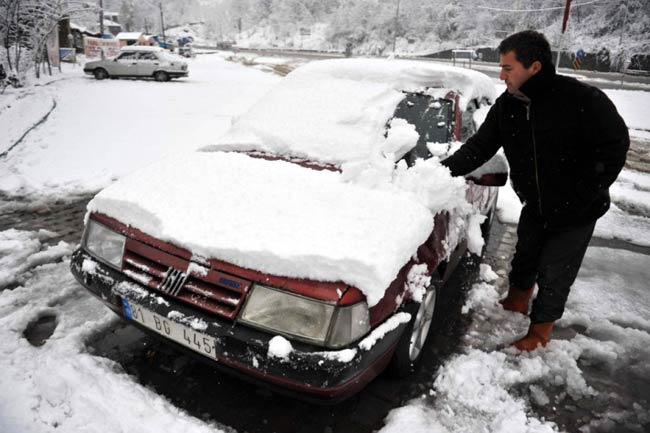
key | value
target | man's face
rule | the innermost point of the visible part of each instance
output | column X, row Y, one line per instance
column 514, row 73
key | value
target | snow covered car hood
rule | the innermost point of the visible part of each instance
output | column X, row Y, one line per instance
column 273, row 216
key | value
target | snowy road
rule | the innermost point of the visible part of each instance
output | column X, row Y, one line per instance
column 593, row 375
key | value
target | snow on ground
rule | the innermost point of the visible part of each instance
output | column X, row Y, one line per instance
column 102, row 130
column 25, row 112
column 60, row 386
column 485, row 388
column 628, row 218
column 634, row 107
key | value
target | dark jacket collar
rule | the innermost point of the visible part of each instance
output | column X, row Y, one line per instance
column 539, row 84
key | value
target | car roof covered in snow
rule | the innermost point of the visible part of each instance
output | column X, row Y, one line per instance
column 141, row 48
column 128, row 35
column 336, row 111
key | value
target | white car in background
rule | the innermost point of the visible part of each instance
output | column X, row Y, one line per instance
column 139, row 62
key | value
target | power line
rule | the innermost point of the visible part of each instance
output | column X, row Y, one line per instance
column 541, row 9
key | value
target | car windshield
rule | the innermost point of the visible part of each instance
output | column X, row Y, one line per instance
column 432, row 118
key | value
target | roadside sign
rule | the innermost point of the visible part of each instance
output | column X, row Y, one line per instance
column 581, row 53
column 93, row 47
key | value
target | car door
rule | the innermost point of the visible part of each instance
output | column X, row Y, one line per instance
column 147, row 63
column 125, row 64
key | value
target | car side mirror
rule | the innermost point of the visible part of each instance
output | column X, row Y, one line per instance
column 490, row 179
column 493, row 173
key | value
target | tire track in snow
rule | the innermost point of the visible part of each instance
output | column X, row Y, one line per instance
column 31, row 128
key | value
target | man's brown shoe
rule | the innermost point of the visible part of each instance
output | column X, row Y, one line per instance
column 517, row 300
column 539, row 334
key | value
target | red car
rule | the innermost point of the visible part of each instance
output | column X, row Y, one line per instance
column 305, row 248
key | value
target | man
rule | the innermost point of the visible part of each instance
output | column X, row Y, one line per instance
column 566, row 144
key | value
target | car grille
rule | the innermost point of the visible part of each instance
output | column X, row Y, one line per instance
column 209, row 290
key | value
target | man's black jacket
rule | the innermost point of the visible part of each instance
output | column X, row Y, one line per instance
column 565, row 147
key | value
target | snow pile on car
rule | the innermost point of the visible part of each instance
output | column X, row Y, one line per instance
column 336, row 111
column 359, row 226
column 273, row 216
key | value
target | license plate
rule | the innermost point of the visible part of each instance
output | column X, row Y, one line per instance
column 184, row 335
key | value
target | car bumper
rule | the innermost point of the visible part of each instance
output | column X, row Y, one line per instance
column 176, row 74
column 311, row 373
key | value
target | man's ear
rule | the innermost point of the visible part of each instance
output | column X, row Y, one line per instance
column 536, row 67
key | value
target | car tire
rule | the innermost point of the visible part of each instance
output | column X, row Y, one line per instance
column 161, row 76
column 100, row 74
column 410, row 345
column 487, row 224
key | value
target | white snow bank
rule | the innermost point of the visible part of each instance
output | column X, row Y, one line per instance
column 21, row 251
column 624, row 292
column 625, row 219
column 335, row 111
column 135, row 122
column 273, row 216
column 20, row 115
column 605, row 326
column 59, row 386
column 634, row 108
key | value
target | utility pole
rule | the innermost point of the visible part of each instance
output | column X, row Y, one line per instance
column 396, row 24
column 162, row 22
column 101, row 26
column 565, row 22
column 620, row 42
column 518, row 7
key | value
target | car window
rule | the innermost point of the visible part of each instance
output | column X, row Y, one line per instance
column 147, row 56
column 432, row 118
column 467, row 118
column 126, row 56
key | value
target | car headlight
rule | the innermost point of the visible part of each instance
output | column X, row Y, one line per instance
column 306, row 319
column 104, row 243
column 350, row 323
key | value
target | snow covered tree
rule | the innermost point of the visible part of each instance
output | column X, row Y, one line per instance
column 127, row 15
column 25, row 26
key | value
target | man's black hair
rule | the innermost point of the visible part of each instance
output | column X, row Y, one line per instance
column 528, row 46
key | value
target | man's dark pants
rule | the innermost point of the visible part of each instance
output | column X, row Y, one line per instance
column 552, row 258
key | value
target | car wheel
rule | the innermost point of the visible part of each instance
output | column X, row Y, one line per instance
column 161, row 76
column 409, row 348
column 487, row 224
column 100, row 73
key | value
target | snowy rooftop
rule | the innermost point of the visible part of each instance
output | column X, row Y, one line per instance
column 129, row 35
column 336, row 111
column 142, row 48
